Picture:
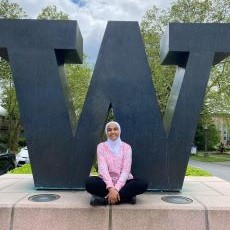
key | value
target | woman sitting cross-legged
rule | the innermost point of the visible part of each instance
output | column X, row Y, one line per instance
column 115, row 183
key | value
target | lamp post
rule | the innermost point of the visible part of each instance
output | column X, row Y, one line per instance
column 206, row 141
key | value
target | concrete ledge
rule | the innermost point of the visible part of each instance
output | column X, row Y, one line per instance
column 218, row 209
column 152, row 213
column 210, row 208
column 5, row 217
column 72, row 211
column 7, row 202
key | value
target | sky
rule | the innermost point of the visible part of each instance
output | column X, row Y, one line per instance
column 92, row 15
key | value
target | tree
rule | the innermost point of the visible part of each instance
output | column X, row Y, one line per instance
column 213, row 137
column 79, row 77
column 11, row 10
column 153, row 26
column 51, row 12
column 206, row 126
column 8, row 95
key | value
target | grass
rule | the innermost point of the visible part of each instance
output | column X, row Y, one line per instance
column 25, row 169
column 191, row 171
column 211, row 158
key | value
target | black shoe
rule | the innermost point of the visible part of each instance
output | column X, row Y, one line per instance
column 97, row 200
column 129, row 201
column 133, row 200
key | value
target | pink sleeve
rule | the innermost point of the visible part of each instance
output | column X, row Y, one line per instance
column 103, row 167
column 126, row 168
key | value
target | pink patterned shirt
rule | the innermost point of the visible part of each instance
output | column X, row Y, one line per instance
column 114, row 169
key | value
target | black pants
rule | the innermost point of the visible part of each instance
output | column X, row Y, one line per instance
column 96, row 186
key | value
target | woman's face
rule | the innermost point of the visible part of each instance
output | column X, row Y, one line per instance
column 113, row 132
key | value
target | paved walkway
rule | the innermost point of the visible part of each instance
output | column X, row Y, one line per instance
column 210, row 209
column 218, row 169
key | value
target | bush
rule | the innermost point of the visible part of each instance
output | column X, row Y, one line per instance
column 213, row 137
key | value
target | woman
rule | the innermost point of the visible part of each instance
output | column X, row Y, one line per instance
column 115, row 183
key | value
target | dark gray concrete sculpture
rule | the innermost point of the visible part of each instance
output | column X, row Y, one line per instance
column 61, row 151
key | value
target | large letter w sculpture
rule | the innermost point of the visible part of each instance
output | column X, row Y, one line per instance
column 61, row 151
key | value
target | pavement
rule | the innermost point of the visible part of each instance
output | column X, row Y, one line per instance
column 218, row 169
column 210, row 208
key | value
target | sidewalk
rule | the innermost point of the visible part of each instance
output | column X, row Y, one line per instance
column 210, row 208
column 226, row 163
column 218, row 169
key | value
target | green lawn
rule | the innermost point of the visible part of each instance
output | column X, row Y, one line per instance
column 211, row 158
column 25, row 169
column 191, row 171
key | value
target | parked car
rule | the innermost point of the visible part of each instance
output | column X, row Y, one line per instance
column 22, row 157
column 7, row 160
column 194, row 150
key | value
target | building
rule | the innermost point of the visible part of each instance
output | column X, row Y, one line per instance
column 222, row 122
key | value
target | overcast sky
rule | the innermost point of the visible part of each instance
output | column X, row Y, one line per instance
column 92, row 15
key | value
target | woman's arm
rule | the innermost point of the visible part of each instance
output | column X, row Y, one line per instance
column 126, row 168
column 103, row 167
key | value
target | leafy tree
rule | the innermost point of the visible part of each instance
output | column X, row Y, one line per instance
column 79, row 77
column 11, row 10
column 51, row 12
column 9, row 102
column 206, row 127
column 213, row 137
column 8, row 95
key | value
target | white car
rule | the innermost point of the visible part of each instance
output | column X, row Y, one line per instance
column 22, row 157
column 194, row 150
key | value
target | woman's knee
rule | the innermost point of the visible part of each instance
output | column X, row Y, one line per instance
column 142, row 184
column 90, row 183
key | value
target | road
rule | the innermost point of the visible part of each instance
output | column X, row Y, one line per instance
column 218, row 169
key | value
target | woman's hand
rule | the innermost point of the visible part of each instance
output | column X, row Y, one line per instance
column 113, row 196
